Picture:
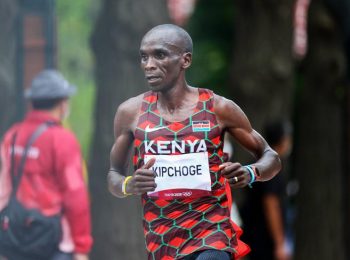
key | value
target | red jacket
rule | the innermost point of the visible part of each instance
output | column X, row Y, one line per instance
column 52, row 181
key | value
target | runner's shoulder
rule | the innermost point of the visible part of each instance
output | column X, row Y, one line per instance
column 222, row 104
column 131, row 106
column 227, row 111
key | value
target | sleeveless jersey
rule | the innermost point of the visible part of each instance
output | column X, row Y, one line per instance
column 178, row 227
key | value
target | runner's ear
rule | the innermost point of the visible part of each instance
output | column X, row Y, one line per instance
column 149, row 164
column 187, row 60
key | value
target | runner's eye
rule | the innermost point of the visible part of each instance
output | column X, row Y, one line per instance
column 144, row 57
column 160, row 55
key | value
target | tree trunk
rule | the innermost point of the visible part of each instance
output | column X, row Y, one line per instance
column 263, row 68
column 8, row 14
column 319, row 160
column 115, row 41
column 262, row 73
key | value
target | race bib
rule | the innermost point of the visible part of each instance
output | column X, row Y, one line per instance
column 181, row 176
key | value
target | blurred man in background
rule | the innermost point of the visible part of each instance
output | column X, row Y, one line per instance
column 48, row 184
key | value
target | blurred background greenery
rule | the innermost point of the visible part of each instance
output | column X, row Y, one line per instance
column 75, row 21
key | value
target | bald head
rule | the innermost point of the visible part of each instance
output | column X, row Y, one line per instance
column 171, row 34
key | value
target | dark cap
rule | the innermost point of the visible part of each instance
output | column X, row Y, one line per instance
column 49, row 84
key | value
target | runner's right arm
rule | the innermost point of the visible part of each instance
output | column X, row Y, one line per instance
column 143, row 179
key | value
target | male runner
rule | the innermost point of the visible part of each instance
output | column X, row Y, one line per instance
column 177, row 132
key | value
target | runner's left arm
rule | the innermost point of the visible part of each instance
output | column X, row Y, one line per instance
column 234, row 121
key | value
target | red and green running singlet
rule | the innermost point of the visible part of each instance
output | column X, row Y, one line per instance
column 189, row 220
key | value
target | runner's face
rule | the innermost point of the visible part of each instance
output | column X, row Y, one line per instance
column 161, row 61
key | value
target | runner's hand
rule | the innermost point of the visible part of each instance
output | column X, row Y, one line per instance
column 237, row 175
column 143, row 179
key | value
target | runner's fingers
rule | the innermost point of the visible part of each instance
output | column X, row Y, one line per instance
column 144, row 177
column 238, row 185
column 239, row 181
column 146, row 184
column 233, row 180
column 145, row 172
column 231, row 175
column 238, row 172
column 230, row 168
column 149, row 164
column 221, row 166
column 144, row 190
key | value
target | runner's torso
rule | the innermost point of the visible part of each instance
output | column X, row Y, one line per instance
column 176, row 227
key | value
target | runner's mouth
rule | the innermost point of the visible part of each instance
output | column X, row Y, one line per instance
column 151, row 79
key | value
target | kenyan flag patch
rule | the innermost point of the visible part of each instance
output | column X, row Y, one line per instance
column 201, row 126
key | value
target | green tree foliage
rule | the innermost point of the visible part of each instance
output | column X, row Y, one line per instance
column 8, row 14
column 211, row 28
column 74, row 25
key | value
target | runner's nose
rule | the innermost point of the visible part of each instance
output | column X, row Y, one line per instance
column 149, row 64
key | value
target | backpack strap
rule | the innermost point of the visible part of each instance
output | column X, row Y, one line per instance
column 16, row 178
column 12, row 168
